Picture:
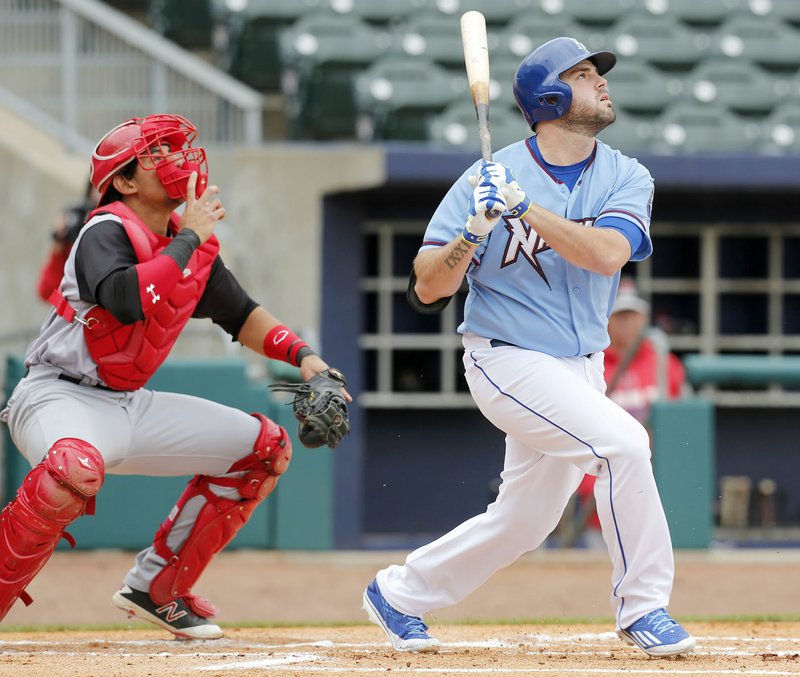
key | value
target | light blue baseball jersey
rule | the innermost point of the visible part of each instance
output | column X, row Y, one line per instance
column 521, row 291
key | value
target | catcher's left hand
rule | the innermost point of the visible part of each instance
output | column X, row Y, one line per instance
column 320, row 408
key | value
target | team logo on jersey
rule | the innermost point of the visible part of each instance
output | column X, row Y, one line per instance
column 526, row 241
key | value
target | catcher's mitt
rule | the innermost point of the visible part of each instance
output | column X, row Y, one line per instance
column 320, row 408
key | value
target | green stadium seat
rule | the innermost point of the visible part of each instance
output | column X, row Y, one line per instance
column 738, row 86
column 781, row 130
column 379, row 12
column 590, row 12
column 501, row 86
column 785, row 10
column 524, row 35
column 688, row 128
column 662, row 41
column 498, row 13
column 396, row 97
column 247, row 39
column 695, row 12
column 630, row 133
column 766, row 41
column 321, row 54
column 431, row 36
column 186, row 22
column 642, row 89
column 456, row 128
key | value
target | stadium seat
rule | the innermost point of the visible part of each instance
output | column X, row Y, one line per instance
column 738, row 86
column 521, row 37
column 785, row 10
column 641, row 88
column 630, row 133
column 695, row 12
column 186, row 22
column 321, row 54
column 781, row 130
column 501, row 85
column 766, row 41
column 378, row 12
column 396, row 97
column 590, row 12
column 662, row 41
column 456, row 128
column 497, row 12
column 432, row 36
column 688, row 128
column 247, row 39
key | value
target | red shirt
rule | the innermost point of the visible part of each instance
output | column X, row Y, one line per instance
column 635, row 392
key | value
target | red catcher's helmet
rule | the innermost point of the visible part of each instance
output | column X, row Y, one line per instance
column 143, row 138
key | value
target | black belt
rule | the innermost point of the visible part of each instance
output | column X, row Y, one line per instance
column 497, row 343
column 80, row 382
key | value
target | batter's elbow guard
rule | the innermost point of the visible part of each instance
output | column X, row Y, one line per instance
column 415, row 302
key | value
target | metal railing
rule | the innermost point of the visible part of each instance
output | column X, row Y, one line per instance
column 79, row 67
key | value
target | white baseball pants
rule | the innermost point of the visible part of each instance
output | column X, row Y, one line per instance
column 142, row 432
column 559, row 424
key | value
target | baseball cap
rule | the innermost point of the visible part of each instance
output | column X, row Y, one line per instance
column 628, row 299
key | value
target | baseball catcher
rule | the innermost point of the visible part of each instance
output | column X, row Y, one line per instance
column 320, row 408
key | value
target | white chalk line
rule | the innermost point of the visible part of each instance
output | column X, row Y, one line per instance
column 596, row 645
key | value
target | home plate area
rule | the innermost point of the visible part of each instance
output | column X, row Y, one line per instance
column 753, row 648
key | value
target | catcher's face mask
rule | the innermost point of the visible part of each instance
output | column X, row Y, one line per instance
column 164, row 141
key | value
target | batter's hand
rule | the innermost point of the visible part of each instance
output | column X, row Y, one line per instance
column 486, row 198
column 202, row 214
column 515, row 197
column 494, row 172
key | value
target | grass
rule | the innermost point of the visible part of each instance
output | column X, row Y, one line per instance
column 555, row 621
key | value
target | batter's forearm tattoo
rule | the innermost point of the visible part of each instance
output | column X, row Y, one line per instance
column 459, row 252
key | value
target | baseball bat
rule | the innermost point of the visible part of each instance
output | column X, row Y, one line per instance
column 476, row 59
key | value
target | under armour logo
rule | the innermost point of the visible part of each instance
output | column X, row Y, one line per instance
column 172, row 612
column 152, row 291
column 524, row 240
column 187, row 272
column 280, row 336
column 84, row 461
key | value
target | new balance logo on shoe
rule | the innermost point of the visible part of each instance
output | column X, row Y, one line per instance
column 171, row 612
column 174, row 616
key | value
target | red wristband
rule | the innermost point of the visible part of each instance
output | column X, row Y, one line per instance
column 281, row 343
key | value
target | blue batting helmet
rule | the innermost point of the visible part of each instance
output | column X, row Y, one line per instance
column 538, row 88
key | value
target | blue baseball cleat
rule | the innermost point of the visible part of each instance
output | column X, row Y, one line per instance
column 658, row 634
column 406, row 633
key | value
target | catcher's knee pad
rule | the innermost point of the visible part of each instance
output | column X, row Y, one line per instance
column 55, row 493
column 220, row 519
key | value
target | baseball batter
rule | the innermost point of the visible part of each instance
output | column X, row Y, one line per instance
column 542, row 282
column 135, row 275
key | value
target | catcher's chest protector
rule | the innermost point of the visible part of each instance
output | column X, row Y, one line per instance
column 127, row 355
column 54, row 494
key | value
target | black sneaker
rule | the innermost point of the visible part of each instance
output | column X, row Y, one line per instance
column 174, row 616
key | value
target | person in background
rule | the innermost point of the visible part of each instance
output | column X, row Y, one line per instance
column 71, row 221
column 632, row 381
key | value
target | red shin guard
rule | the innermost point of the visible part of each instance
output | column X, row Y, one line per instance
column 53, row 495
column 220, row 519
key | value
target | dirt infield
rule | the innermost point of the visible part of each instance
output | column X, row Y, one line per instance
column 743, row 648
column 320, row 591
